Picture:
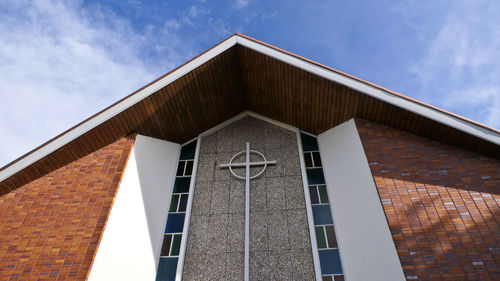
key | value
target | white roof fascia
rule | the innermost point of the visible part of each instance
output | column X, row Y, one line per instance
column 114, row 110
column 428, row 112
column 360, row 86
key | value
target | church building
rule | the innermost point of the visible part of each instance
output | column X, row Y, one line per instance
column 252, row 163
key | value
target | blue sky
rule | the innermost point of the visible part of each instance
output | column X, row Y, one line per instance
column 62, row 61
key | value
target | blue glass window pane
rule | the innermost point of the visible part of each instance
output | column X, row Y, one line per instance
column 180, row 169
column 317, row 159
column 175, row 223
column 167, row 269
column 181, row 185
column 308, row 143
column 330, row 262
column 321, row 214
column 315, row 176
column 314, row 195
column 183, row 203
column 187, row 151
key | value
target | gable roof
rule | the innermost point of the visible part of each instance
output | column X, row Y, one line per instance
column 238, row 74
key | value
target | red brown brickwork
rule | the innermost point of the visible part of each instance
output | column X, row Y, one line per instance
column 51, row 227
column 441, row 203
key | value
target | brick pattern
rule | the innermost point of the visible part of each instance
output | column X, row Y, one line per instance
column 50, row 228
column 441, row 204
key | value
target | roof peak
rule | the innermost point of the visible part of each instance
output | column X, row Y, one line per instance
column 462, row 124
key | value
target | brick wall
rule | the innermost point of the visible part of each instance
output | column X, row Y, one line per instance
column 441, row 203
column 51, row 227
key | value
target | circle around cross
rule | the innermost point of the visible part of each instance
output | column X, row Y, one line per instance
column 242, row 152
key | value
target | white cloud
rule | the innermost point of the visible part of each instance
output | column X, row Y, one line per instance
column 58, row 65
column 193, row 14
column 62, row 61
column 240, row 4
column 460, row 70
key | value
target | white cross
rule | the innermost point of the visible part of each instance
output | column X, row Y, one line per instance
column 247, row 164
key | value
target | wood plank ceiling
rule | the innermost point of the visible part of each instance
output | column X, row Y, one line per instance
column 242, row 79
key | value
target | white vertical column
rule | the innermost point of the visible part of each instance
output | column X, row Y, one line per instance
column 132, row 239
column 365, row 242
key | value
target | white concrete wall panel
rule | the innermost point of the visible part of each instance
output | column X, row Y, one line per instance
column 365, row 242
column 131, row 243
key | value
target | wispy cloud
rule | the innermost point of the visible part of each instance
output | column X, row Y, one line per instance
column 58, row 64
column 460, row 70
column 240, row 4
column 62, row 61
column 193, row 14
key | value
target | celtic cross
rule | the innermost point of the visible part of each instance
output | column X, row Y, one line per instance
column 247, row 164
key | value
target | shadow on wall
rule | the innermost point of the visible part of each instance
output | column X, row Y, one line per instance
column 441, row 204
column 156, row 166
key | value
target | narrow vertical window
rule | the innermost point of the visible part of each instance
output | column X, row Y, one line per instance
column 169, row 256
column 331, row 267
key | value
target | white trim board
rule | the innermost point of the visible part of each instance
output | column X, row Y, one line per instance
column 132, row 239
column 245, row 114
column 356, row 208
column 426, row 111
column 115, row 109
column 365, row 88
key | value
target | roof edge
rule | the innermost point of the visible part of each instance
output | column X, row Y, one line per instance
column 388, row 91
column 439, row 115
column 112, row 110
column 434, row 113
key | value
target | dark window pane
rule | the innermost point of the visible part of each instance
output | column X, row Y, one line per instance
column 309, row 143
column 330, row 262
column 167, row 269
column 327, row 278
column 180, row 168
column 321, row 214
column 320, row 237
column 330, row 234
column 187, row 151
column 174, row 203
column 308, row 159
column 339, row 278
column 183, row 203
column 165, row 248
column 189, row 168
column 315, row 176
column 175, row 223
column 317, row 159
column 314, row 195
column 181, row 185
column 323, row 195
column 176, row 245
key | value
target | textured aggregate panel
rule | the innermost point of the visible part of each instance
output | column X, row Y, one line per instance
column 50, row 228
column 442, row 204
column 279, row 237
